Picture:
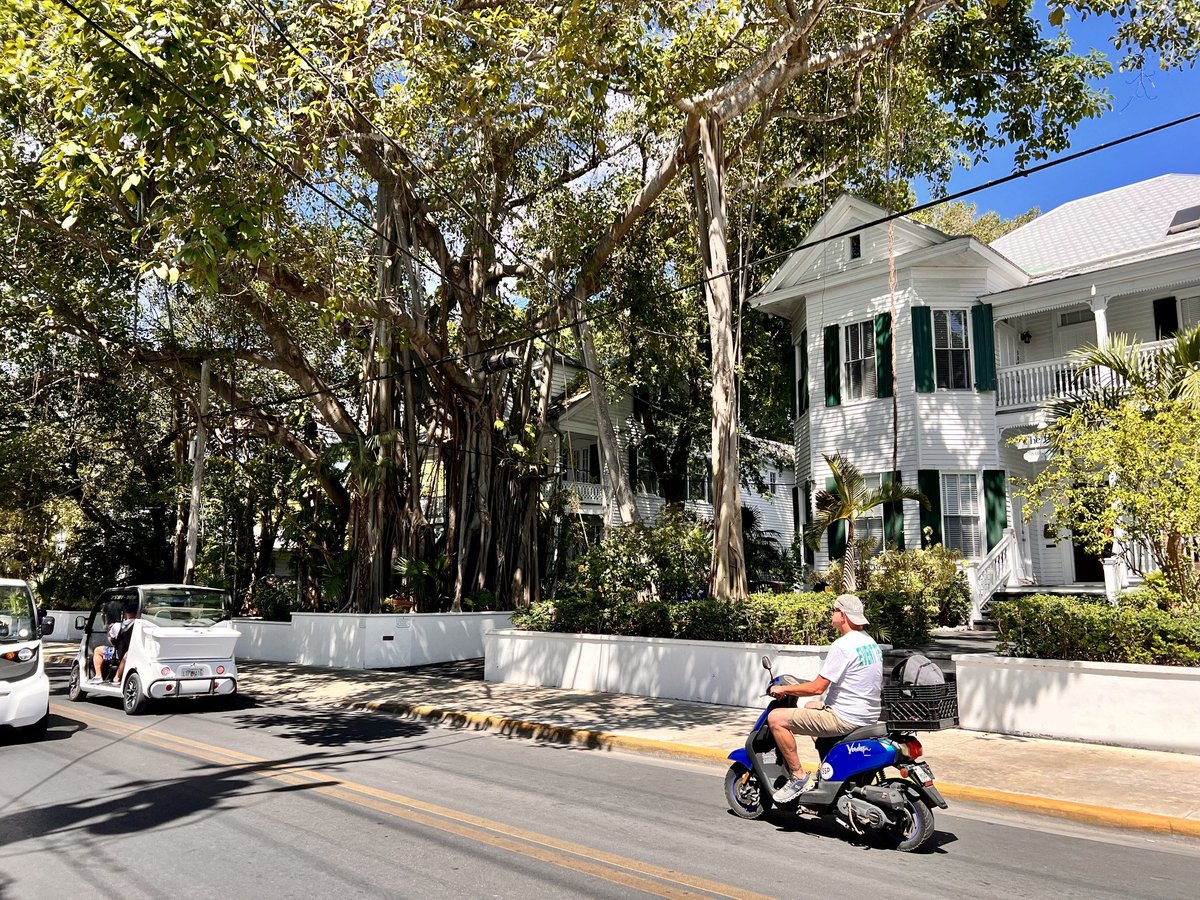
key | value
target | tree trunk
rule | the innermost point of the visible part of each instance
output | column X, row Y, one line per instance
column 616, row 487
column 727, row 578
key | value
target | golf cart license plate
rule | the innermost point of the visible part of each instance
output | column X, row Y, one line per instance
column 191, row 672
column 923, row 773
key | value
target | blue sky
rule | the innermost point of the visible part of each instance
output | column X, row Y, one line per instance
column 1138, row 102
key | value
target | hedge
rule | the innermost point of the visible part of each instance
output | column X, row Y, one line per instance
column 760, row 618
column 1050, row 627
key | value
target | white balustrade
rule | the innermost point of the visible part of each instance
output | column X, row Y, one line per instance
column 995, row 571
column 1031, row 384
column 588, row 491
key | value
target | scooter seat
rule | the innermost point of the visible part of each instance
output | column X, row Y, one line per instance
column 878, row 730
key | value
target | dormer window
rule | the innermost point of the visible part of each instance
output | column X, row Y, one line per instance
column 856, row 246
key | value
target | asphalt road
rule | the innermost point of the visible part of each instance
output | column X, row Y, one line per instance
column 266, row 801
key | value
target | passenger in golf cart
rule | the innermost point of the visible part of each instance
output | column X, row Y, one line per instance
column 112, row 653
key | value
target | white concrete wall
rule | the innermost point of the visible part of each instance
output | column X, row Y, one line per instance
column 704, row 671
column 64, row 624
column 1150, row 707
column 385, row 640
column 272, row 641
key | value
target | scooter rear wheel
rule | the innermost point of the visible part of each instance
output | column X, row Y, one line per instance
column 744, row 794
column 916, row 827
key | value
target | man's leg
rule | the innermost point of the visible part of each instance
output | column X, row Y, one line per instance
column 780, row 723
column 97, row 661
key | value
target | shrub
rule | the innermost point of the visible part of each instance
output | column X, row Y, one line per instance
column 1133, row 631
column 760, row 618
column 668, row 561
column 910, row 592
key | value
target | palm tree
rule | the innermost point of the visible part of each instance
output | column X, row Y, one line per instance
column 850, row 500
column 1108, row 374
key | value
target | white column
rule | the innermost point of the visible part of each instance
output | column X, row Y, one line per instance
column 1099, row 305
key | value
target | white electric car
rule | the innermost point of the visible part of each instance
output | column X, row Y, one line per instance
column 24, row 686
column 179, row 644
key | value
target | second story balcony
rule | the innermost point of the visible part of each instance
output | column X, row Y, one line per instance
column 1029, row 385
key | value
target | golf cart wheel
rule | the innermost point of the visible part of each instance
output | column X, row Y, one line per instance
column 134, row 700
column 75, row 691
column 744, row 794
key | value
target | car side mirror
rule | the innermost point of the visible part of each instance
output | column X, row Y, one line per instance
column 80, row 623
column 47, row 626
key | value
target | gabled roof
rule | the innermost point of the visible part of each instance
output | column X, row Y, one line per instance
column 845, row 214
column 1104, row 229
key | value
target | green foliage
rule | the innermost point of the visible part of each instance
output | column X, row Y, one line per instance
column 667, row 561
column 1129, row 465
column 961, row 217
column 933, row 574
column 1048, row 627
column 760, row 618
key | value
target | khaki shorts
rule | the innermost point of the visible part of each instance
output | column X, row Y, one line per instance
column 819, row 722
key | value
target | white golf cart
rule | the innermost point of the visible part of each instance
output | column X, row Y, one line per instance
column 179, row 644
column 24, row 686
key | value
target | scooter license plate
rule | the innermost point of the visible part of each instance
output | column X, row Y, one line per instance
column 922, row 773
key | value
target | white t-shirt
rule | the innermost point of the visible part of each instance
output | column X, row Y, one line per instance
column 854, row 668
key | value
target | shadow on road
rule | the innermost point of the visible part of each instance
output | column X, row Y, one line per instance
column 149, row 805
column 828, row 828
column 331, row 728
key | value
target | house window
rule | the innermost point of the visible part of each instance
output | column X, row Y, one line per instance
column 1075, row 317
column 871, row 524
column 773, row 483
column 855, row 246
column 860, row 360
column 960, row 515
column 577, row 465
column 951, row 351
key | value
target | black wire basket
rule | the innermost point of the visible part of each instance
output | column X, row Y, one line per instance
column 920, row 707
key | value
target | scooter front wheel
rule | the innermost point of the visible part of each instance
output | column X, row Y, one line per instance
column 744, row 794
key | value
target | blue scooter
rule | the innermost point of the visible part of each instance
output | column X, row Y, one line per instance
column 853, row 787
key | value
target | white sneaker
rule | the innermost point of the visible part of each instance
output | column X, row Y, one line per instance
column 95, row 679
column 794, row 788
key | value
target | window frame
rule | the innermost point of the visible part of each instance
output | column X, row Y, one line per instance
column 872, row 481
column 867, row 326
column 980, row 538
column 967, row 350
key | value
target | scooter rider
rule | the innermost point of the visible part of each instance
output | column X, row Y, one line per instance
column 851, row 679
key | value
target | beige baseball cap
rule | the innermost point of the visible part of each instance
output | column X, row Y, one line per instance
column 851, row 607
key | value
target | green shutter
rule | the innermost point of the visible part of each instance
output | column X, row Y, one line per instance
column 837, row 531
column 883, row 355
column 995, row 506
column 984, row 338
column 802, row 385
column 633, row 467
column 833, row 365
column 893, row 517
column 929, row 483
column 922, row 327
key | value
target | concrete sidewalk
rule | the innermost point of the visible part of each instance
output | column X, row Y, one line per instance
column 1140, row 789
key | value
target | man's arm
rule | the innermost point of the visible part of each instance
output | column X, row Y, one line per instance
column 812, row 688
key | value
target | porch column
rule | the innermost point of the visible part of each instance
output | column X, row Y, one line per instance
column 1099, row 305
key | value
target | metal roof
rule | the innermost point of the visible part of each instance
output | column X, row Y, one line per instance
column 1125, row 222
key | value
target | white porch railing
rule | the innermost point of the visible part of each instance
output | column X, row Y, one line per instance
column 1031, row 384
column 589, row 492
column 998, row 569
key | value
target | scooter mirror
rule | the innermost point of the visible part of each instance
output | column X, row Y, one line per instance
column 766, row 663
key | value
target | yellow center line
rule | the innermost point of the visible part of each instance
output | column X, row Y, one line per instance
column 612, row 867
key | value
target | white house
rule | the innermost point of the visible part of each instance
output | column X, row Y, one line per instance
column 982, row 335
column 575, row 442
